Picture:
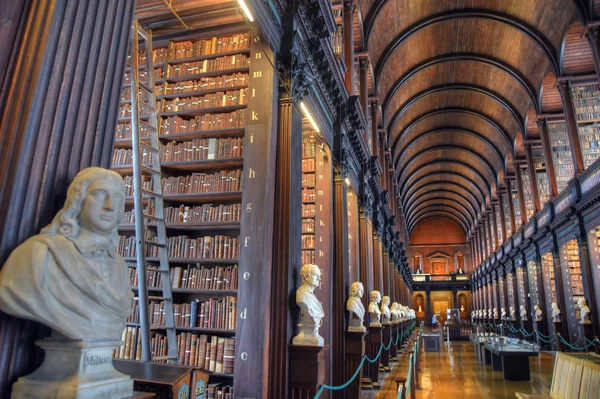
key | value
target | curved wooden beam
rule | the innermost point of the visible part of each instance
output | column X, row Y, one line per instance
column 440, row 214
column 370, row 19
column 507, row 105
column 467, row 111
column 442, row 195
column 427, row 189
column 484, row 161
column 542, row 41
column 440, row 203
column 460, row 163
column 446, row 208
column 482, row 58
column 440, row 175
column 456, row 129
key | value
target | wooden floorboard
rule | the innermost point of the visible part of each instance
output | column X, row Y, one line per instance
column 454, row 373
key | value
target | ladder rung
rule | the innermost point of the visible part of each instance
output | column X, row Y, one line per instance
column 155, row 269
column 150, row 193
column 150, row 170
column 145, row 86
column 156, row 358
column 147, row 126
column 155, row 243
column 148, row 147
column 161, row 326
column 158, row 298
column 151, row 217
column 146, row 105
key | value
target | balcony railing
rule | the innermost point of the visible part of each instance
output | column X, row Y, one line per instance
column 438, row 278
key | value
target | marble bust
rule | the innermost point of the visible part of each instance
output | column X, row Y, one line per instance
column 495, row 313
column 538, row 313
column 523, row 313
column 394, row 312
column 69, row 277
column 355, row 306
column 513, row 313
column 555, row 313
column 503, row 315
column 584, row 312
column 311, row 310
column 385, row 311
column 374, row 311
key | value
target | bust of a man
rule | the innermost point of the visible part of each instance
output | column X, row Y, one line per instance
column 310, row 307
column 513, row 313
column 523, row 313
column 355, row 306
column 394, row 312
column 537, row 313
column 584, row 312
column 495, row 313
column 555, row 313
column 385, row 311
column 374, row 311
column 503, row 315
column 69, row 277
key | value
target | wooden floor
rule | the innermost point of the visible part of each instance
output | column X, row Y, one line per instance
column 455, row 373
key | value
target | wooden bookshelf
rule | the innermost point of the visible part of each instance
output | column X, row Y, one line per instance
column 541, row 175
column 499, row 222
column 586, row 100
column 309, row 196
column 549, row 280
column 521, row 290
column 527, row 193
column 516, row 207
column 561, row 154
column 510, row 291
column 505, row 199
column 202, row 93
column 572, row 283
column 534, row 293
column 501, row 295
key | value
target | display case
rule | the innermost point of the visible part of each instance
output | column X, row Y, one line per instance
column 586, row 100
column 572, row 284
column 561, row 153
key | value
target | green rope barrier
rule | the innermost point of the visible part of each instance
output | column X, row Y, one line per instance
column 574, row 347
column 547, row 339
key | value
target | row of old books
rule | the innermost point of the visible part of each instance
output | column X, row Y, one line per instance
column 159, row 73
column 308, row 240
column 216, row 313
column 206, row 83
column 219, row 390
column 225, row 180
column 308, row 225
column 125, row 110
column 308, row 149
column 209, row 247
column 191, row 277
column 123, row 131
column 308, row 164
column 202, row 123
column 309, row 180
column 212, row 100
column 214, row 65
column 309, row 210
column 194, row 150
column 308, row 194
column 215, row 45
column 207, row 213
column 160, row 55
column 308, row 256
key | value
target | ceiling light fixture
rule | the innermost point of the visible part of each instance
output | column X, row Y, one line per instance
column 309, row 116
column 246, row 10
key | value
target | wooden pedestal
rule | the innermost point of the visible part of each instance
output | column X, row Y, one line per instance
column 588, row 331
column 355, row 349
column 307, row 370
column 386, row 334
column 375, row 340
column 541, row 326
column 394, row 348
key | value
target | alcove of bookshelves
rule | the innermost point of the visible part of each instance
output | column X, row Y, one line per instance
column 586, row 100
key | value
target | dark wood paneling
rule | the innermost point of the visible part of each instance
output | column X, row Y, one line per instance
column 577, row 55
column 436, row 232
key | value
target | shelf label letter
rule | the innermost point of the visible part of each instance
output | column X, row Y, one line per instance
column 251, row 174
column 246, row 276
column 254, row 116
column 258, row 56
column 243, row 314
column 244, row 356
column 249, row 207
column 246, row 240
column 257, row 74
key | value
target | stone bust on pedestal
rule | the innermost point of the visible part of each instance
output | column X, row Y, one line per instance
column 385, row 311
column 523, row 313
column 513, row 313
column 503, row 314
column 310, row 307
column 374, row 312
column 538, row 313
column 555, row 313
column 394, row 311
column 70, row 278
column 355, row 307
column 584, row 312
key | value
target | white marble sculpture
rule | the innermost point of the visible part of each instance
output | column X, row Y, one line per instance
column 495, row 311
column 584, row 312
column 385, row 311
column 413, row 315
column 490, row 314
column 355, row 306
column 523, row 313
column 513, row 313
column 310, row 307
column 403, row 312
column 70, row 278
column 538, row 313
column 394, row 311
column 374, row 311
column 484, row 314
column 503, row 314
column 555, row 313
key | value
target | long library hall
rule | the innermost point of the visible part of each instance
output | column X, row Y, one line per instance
column 303, row 199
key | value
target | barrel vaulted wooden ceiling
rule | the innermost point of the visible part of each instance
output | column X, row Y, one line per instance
column 460, row 84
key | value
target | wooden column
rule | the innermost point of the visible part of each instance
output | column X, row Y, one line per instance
column 61, row 65
column 373, row 137
column 353, row 237
column 517, row 166
column 340, row 280
column 511, row 206
column 505, row 292
column 571, row 119
column 377, row 264
column 363, row 65
column 502, row 217
column 494, row 210
column 532, row 178
column 489, row 233
column 365, row 250
column 286, row 249
column 543, row 127
column 348, row 21
column 386, row 286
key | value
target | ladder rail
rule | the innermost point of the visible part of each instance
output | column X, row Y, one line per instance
column 155, row 193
